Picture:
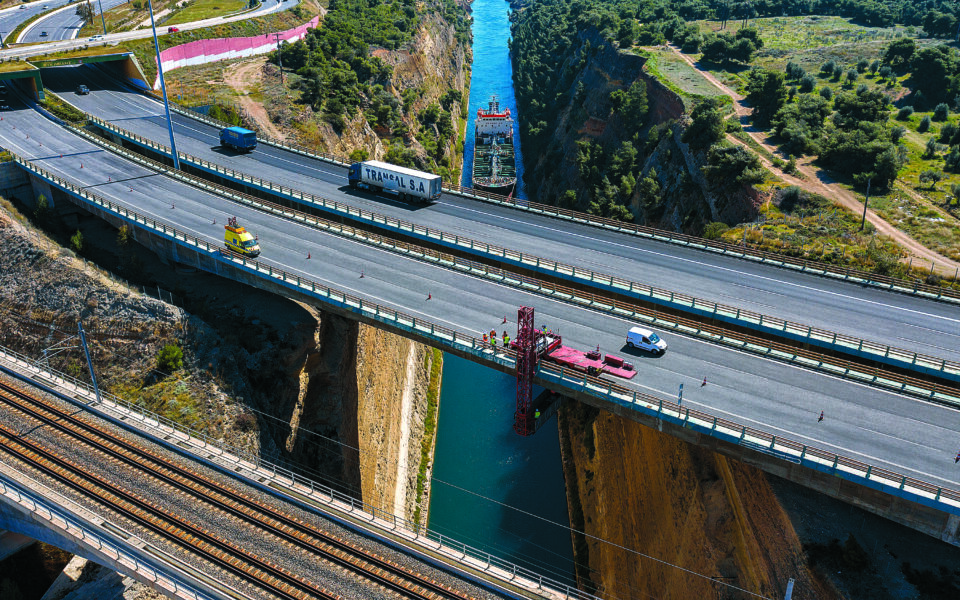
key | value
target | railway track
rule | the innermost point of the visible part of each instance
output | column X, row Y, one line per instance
column 341, row 553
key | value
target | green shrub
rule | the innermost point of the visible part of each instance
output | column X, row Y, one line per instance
column 170, row 358
column 714, row 230
column 76, row 241
column 924, row 124
column 905, row 113
column 941, row 112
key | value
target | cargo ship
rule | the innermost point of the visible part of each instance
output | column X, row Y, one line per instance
column 494, row 164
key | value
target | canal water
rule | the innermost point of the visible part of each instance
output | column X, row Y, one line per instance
column 493, row 489
column 491, row 76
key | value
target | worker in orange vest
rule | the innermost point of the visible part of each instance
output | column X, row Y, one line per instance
column 484, row 338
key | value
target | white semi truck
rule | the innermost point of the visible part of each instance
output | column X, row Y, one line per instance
column 408, row 184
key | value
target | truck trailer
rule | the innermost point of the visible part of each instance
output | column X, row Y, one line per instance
column 408, row 184
column 238, row 138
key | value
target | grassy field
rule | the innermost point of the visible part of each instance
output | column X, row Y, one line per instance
column 678, row 75
column 7, row 67
column 204, row 9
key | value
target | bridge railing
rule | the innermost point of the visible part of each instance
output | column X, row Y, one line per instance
column 849, row 369
column 914, row 286
column 945, row 499
column 74, row 527
column 798, row 331
column 446, row 545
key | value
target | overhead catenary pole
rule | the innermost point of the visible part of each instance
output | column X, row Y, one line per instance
column 93, row 377
column 163, row 88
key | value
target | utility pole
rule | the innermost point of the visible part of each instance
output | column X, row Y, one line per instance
column 865, row 201
column 279, row 56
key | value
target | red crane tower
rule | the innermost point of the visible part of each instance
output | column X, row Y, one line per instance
column 523, row 421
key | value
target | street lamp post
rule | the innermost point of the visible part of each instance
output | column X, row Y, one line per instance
column 102, row 20
column 163, row 88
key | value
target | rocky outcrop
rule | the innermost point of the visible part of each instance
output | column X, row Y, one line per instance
column 595, row 67
column 640, row 495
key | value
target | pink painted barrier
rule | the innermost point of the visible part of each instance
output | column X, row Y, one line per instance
column 205, row 51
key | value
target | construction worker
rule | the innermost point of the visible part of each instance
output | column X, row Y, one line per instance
column 536, row 414
column 484, row 337
column 493, row 342
column 821, row 417
column 506, row 338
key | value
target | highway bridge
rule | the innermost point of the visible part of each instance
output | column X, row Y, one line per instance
column 888, row 432
column 911, row 323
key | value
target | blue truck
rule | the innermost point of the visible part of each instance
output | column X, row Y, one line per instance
column 238, row 138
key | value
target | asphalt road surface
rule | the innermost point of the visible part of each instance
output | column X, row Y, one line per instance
column 64, row 24
column 63, row 45
column 10, row 18
column 897, row 320
column 875, row 426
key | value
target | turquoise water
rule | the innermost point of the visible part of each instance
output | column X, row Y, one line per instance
column 493, row 489
column 492, row 75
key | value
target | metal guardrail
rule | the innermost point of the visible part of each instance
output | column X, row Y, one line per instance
column 916, row 490
column 797, row 331
column 914, row 287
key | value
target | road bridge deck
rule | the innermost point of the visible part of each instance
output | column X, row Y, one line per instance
column 876, row 427
column 915, row 324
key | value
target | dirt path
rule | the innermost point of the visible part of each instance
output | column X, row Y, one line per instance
column 243, row 76
column 818, row 181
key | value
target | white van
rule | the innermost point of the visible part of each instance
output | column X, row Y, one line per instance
column 644, row 339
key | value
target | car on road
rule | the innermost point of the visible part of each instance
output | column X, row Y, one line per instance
column 645, row 339
column 43, row 34
column 23, row 6
column 83, row 90
column 173, row 29
column 96, row 38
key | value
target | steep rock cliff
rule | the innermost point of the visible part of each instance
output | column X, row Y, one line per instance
column 591, row 70
column 646, row 493
column 355, row 410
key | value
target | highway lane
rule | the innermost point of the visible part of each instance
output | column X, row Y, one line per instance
column 12, row 17
column 111, row 38
column 64, row 24
column 868, row 424
column 893, row 319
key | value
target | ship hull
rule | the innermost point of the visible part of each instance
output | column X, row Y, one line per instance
column 503, row 190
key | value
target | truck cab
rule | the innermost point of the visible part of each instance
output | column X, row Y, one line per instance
column 240, row 240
